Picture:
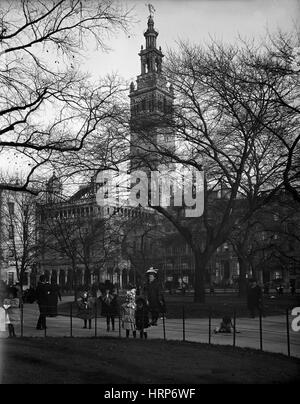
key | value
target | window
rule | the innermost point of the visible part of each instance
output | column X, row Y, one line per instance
column 10, row 278
column 11, row 208
column 11, row 252
column 11, row 232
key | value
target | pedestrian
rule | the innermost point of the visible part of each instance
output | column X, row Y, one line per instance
column 12, row 310
column 254, row 298
column 86, row 308
column 43, row 291
column 53, row 298
column 109, row 307
column 128, row 312
column 154, row 296
column 142, row 317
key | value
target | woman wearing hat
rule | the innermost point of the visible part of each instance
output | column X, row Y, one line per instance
column 154, row 295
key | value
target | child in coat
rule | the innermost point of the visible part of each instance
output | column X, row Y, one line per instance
column 128, row 313
column 12, row 310
column 142, row 317
column 86, row 309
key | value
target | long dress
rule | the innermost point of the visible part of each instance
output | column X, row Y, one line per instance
column 128, row 316
column 13, row 312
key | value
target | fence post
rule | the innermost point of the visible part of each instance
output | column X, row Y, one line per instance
column 45, row 329
column 288, row 332
column 260, row 331
column 164, row 326
column 183, row 323
column 234, row 327
column 96, row 313
column 71, row 320
column 209, row 326
column 22, row 318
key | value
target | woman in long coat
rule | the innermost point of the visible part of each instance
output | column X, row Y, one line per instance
column 154, row 295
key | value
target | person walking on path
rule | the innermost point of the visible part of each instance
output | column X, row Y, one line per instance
column 43, row 291
column 53, row 298
column 154, row 295
column 86, row 308
column 254, row 298
column 142, row 317
column 128, row 313
column 109, row 307
column 12, row 310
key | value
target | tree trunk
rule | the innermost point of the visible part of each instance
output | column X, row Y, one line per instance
column 243, row 264
column 74, row 281
column 200, row 266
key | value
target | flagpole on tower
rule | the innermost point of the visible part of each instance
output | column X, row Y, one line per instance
column 151, row 9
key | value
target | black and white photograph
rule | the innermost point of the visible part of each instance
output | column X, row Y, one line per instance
column 150, row 194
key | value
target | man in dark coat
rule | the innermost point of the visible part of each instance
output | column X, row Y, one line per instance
column 43, row 291
column 154, row 295
column 109, row 306
column 254, row 298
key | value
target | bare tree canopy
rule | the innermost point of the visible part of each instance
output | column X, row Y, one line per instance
column 48, row 107
column 237, row 119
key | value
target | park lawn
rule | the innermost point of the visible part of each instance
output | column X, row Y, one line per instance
column 219, row 304
column 121, row 361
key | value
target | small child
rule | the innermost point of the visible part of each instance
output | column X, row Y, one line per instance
column 128, row 313
column 86, row 309
column 142, row 317
column 226, row 326
column 12, row 310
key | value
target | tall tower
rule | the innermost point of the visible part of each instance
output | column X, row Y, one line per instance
column 151, row 102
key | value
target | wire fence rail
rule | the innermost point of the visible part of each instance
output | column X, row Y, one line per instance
column 263, row 333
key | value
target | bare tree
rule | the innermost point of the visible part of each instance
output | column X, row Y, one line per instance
column 48, row 108
column 18, row 212
column 81, row 238
column 275, row 66
column 216, row 125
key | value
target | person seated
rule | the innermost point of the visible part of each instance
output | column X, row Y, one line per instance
column 226, row 326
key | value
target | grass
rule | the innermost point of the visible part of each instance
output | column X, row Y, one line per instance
column 219, row 304
column 106, row 361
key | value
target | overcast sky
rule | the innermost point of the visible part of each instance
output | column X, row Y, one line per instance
column 195, row 20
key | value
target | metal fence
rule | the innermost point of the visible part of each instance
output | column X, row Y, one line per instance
column 266, row 334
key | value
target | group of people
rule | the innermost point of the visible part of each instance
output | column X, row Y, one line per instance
column 140, row 310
